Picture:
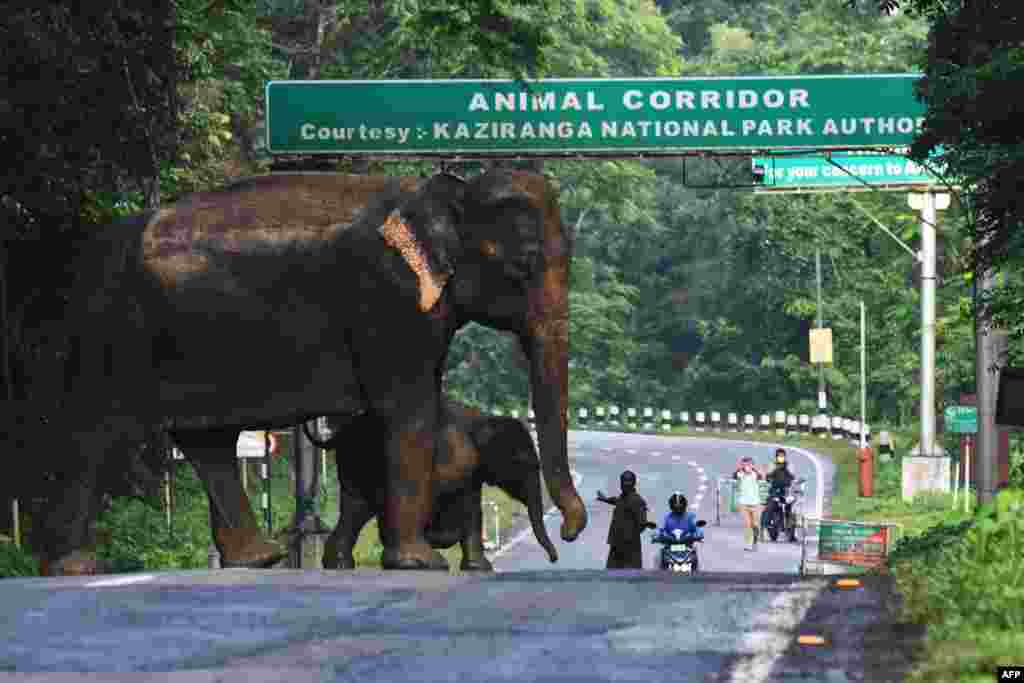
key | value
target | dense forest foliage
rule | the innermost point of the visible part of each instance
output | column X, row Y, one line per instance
column 682, row 297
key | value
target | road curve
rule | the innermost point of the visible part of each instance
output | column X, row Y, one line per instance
column 664, row 464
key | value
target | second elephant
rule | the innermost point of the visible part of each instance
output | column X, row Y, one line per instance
column 473, row 450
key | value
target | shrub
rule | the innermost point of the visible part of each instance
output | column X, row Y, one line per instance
column 16, row 561
column 969, row 574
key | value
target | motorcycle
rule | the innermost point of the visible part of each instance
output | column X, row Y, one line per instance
column 778, row 514
column 679, row 552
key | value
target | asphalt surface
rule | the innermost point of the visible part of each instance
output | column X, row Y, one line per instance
column 531, row 621
column 665, row 464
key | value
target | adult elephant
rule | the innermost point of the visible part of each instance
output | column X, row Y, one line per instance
column 473, row 449
column 281, row 298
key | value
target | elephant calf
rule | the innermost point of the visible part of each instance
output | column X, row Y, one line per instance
column 474, row 450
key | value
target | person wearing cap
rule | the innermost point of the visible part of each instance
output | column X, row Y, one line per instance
column 780, row 476
column 628, row 521
column 748, row 497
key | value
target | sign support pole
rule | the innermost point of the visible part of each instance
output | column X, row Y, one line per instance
column 928, row 203
column 927, row 209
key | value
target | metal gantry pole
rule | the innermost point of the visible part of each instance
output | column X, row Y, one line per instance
column 927, row 208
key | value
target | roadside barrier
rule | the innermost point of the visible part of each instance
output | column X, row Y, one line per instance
column 783, row 423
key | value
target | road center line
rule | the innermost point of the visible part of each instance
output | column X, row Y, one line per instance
column 120, row 581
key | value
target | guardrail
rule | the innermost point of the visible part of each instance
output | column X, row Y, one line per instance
column 781, row 423
column 612, row 418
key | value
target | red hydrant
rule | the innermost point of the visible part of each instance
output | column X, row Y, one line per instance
column 866, row 469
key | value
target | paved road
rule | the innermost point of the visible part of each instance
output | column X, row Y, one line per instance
column 664, row 464
column 545, row 626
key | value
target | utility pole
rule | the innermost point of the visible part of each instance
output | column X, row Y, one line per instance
column 821, row 366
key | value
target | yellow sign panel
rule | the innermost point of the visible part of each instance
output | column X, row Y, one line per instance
column 821, row 345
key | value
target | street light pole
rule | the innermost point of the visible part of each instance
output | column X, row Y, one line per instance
column 863, row 378
column 821, row 366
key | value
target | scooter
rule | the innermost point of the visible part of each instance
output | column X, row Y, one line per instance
column 679, row 552
column 778, row 512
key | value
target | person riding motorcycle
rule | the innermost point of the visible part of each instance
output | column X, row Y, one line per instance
column 628, row 521
column 779, row 481
column 679, row 518
column 780, row 476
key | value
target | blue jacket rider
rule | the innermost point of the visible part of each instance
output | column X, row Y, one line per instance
column 679, row 518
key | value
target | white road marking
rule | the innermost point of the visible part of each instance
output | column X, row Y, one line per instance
column 607, row 448
column 120, row 581
column 676, row 457
column 703, row 477
column 703, row 487
column 631, row 452
column 692, row 462
column 700, row 469
column 655, row 452
column 772, row 633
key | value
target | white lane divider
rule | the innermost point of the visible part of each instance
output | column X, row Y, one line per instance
column 120, row 581
column 676, row 457
column 702, row 487
column 694, row 463
column 655, row 452
column 631, row 452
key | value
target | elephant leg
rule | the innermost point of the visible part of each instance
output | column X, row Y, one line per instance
column 236, row 532
column 408, row 500
column 355, row 512
column 67, row 531
column 473, row 558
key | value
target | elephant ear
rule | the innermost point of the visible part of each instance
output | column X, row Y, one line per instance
column 423, row 231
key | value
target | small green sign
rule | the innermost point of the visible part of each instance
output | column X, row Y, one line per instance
column 849, row 170
column 860, row 544
column 591, row 116
column 962, row 419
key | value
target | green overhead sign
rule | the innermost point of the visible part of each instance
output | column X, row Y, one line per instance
column 846, row 170
column 962, row 419
column 591, row 116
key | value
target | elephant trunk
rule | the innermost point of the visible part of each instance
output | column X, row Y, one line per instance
column 535, row 508
column 548, row 349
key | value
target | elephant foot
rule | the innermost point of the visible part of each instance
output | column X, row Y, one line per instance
column 76, row 563
column 247, row 549
column 420, row 556
column 476, row 564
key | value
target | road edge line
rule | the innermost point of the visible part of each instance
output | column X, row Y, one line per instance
column 518, row 538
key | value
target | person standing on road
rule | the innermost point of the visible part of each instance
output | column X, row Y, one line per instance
column 628, row 522
column 748, row 497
